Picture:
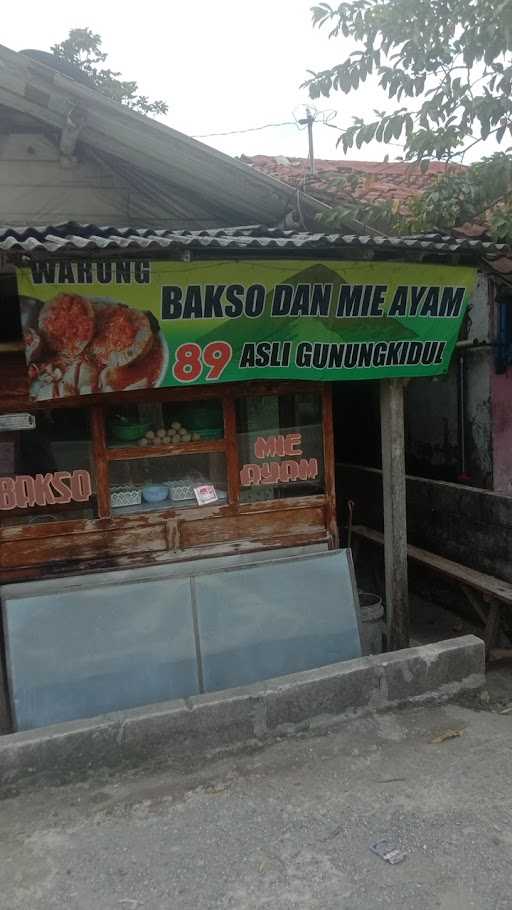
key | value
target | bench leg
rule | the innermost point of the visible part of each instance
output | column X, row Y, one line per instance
column 475, row 602
column 491, row 619
column 355, row 547
column 492, row 624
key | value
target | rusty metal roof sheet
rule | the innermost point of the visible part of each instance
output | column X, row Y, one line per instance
column 80, row 238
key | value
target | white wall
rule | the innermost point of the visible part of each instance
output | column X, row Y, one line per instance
column 37, row 188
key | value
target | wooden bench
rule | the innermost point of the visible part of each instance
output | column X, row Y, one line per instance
column 480, row 589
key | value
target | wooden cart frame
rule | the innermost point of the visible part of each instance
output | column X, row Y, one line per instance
column 35, row 551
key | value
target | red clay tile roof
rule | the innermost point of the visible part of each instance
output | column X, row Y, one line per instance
column 394, row 181
column 377, row 181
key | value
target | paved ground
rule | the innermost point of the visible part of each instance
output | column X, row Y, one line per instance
column 285, row 827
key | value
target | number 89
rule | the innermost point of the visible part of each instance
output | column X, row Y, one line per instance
column 191, row 358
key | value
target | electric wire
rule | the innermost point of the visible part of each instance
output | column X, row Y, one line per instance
column 251, row 129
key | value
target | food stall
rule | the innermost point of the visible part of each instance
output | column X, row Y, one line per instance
column 168, row 410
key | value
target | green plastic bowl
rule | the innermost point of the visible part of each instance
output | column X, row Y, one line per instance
column 129, row 432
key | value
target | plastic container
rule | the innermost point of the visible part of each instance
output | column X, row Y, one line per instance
column 155, row 493
column 181, row 490
column 125, row 496
column 373, row 627
column 129, row 432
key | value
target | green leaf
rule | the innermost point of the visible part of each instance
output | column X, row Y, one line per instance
column 345, row 82
column 388, row 131
column 379, row 133
column 396, row 126
column 430, row 50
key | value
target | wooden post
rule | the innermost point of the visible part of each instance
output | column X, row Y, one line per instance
column 231, row 444
column 395, row 519
column 99, row 453
column 329, row 466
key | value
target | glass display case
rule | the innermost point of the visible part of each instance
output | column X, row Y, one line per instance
column 163, row 453
column 280, row 444
column 46, row 471
column 167, row 454
column 151, row 424
column 176, row 481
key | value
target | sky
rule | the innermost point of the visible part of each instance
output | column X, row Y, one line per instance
column 221, row 65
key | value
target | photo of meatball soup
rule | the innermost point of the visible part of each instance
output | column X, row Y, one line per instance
column 80, row 346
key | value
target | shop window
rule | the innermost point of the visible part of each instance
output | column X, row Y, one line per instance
column 45, row 468
column 164, row 423
column 280, row 444
column 177, row 481
column 160, row 455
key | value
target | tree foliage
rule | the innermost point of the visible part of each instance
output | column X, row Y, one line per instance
column 481, row 193
column 83, row 49
column 451, row 60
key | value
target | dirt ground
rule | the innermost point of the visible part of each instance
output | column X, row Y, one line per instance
column 287, row 826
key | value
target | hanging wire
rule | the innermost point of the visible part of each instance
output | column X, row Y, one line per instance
column 324, row 117
column 250, row 129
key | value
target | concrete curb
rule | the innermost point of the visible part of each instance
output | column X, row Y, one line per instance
column 221, row 720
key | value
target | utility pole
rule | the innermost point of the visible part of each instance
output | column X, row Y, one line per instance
column 309, row 121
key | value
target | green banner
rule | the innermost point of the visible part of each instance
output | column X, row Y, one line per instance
column 112, row 325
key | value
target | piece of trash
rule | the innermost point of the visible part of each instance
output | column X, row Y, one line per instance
column 448, row 734
column 391, row 780
column 388, row 850
column 507, row 710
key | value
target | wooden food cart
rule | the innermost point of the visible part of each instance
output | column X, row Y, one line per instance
column 158, row 410
column 104, row 532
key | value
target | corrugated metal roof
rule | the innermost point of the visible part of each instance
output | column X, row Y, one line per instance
column 69, row 237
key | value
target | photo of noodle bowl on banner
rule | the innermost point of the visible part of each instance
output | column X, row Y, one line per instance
column 76, row 345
